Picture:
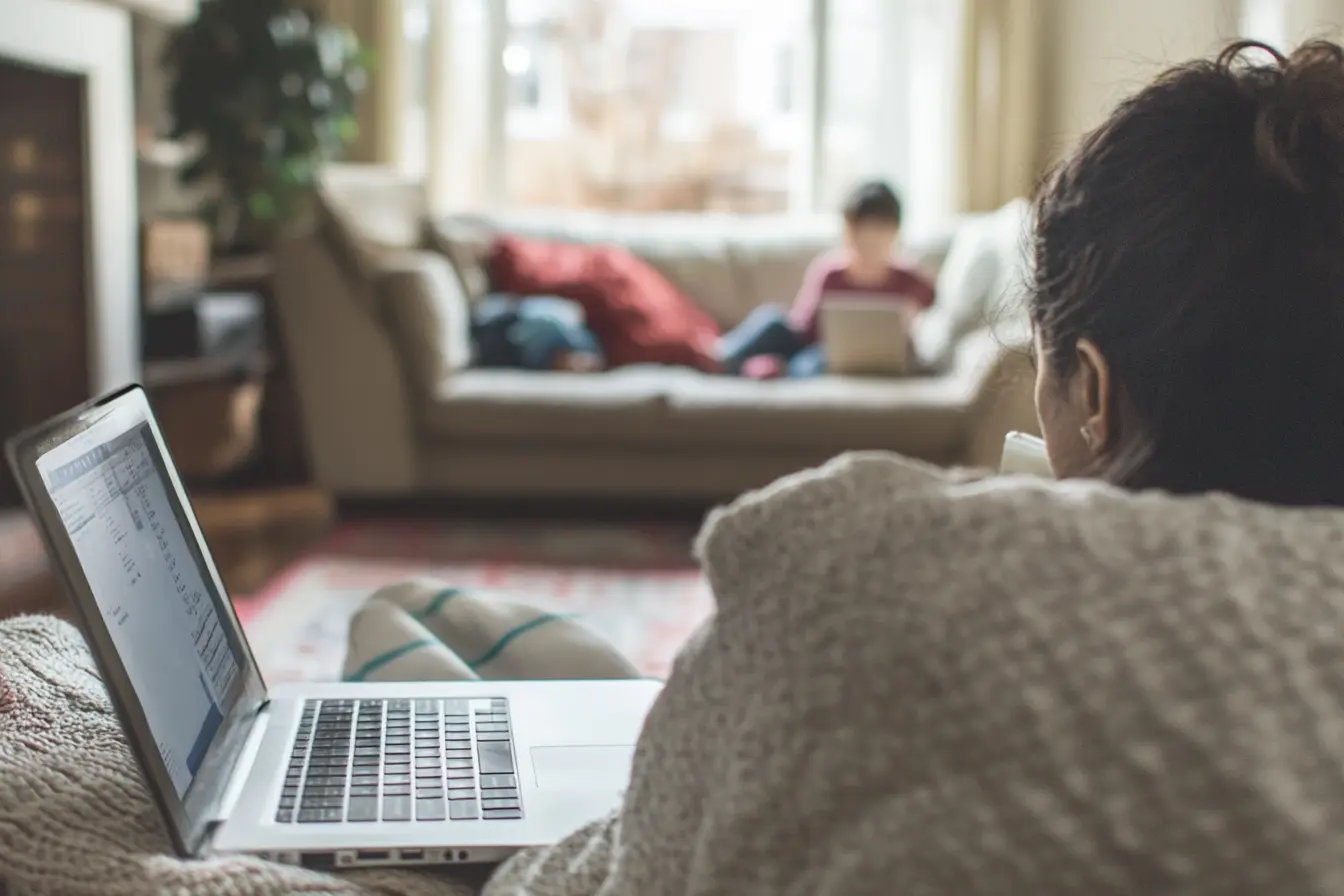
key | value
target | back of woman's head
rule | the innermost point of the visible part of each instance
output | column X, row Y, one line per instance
column 1197, row 239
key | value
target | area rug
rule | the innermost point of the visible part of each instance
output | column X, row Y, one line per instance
column 635, row 585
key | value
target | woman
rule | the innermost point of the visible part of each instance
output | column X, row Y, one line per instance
column 1189, row 284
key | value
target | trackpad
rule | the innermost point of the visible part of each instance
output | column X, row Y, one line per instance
column 567, row 768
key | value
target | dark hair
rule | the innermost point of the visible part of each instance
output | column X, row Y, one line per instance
column 1197, row 237
column 873, row 201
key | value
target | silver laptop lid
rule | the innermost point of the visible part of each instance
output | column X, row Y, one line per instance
column 120, row 531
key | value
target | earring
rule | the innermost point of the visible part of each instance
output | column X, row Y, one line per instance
column 1088, row 438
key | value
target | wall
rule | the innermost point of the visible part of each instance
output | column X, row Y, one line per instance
column 1286, row 22
column 1098, row 51
column 1102, row 50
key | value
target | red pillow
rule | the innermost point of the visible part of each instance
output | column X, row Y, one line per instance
column 635, row 313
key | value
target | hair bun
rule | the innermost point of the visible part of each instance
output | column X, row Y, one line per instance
column 1299, row 123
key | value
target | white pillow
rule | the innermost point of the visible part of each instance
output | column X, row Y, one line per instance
column 968, row 274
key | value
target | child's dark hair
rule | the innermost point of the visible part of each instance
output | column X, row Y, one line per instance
column 1197, row 238
column 874, row 202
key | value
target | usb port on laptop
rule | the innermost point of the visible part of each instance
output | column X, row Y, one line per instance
column 412, row 855
column 373, row 855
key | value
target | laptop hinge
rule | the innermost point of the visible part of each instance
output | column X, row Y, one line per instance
column 242, row 766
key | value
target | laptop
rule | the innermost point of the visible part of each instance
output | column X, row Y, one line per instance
column 326, row 776
column 866, row 336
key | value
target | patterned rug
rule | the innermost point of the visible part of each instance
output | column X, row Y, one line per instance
column 635, row 585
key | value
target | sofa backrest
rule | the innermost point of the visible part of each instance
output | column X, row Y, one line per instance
column 728, row 264
column 386, row 206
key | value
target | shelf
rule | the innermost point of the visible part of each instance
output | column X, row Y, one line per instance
column 185, row 371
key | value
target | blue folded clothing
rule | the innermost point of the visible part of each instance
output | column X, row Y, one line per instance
column 529, row 332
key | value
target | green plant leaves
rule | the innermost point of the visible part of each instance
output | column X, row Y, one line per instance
column 269, row 89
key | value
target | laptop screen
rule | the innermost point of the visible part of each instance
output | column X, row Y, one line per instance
column 148, row 578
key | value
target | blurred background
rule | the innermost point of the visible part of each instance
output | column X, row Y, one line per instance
column 282, row 216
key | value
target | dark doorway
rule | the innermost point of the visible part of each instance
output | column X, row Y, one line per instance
column 43, row 250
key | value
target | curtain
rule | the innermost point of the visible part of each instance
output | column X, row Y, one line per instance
column 1001, row 151
column 378, row 25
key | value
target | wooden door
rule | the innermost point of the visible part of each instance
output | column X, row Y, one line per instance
column 43, row 250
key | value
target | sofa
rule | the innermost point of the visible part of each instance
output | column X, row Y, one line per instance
column 373, row 301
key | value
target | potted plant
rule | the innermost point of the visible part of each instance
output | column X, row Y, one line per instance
column 264, row 92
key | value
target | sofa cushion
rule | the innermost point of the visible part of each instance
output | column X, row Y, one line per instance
column 768, row 266
column 624, row 404
column 697, row 264
column 428, row 315
column 981, row 268
column 916, row 415
column 637, row 315
column 669, row 407
column 466, row 241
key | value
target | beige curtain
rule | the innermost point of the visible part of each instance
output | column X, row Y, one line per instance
column 1001, row 97
column 378, row 25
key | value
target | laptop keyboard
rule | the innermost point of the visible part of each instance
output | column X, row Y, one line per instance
column 401, row 760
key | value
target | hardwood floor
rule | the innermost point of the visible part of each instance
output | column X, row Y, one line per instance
column 252, row 536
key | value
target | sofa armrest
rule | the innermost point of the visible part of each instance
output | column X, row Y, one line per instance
column 1000, row 379
column 354, row 404
column 428, row 314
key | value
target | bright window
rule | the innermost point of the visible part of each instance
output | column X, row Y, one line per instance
column 692, row 105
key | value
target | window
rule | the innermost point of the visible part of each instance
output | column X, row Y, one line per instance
column 694, row 105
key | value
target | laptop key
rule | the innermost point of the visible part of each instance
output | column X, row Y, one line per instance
column 430, row 809
column 285, row 816
column 364, row 790
column 502, row 814
column 462, row 784
column 396, row 808
column 467, row 793
column 463, row 810
column 500, row 804
column 496, row 759
column 363, row 808
column 498, row 782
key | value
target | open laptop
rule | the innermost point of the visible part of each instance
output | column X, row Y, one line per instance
column 321, row 775
column 866, row 336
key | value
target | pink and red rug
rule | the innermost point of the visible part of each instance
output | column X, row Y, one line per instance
column 635, row 585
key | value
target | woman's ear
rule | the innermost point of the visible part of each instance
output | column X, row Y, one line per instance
column 1094, row 396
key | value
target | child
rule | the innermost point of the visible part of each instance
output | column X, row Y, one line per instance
column 770, row 343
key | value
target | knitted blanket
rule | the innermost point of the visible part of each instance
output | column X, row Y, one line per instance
column 914, row 683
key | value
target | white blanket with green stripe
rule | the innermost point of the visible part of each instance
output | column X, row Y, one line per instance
column 424, row 630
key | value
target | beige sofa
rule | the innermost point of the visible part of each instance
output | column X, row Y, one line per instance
column 377, row 344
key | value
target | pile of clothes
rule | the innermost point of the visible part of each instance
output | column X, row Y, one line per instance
column 533, row 333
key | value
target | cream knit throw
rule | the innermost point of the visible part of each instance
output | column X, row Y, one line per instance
column 915, row 684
